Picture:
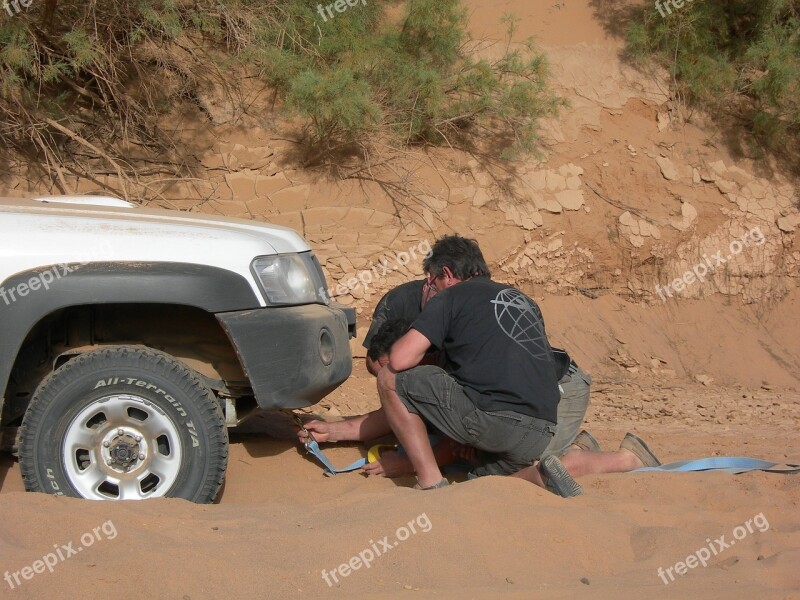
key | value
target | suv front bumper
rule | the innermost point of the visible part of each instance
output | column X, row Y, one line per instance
column 293, row 355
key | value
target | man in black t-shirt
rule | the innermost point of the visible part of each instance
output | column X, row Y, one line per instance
column 403, row 304
column 496, row 347
column 499, row 393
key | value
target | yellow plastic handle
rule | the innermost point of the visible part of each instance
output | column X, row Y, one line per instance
column 374, row 453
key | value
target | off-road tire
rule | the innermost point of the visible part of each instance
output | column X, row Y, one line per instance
column 124, row 422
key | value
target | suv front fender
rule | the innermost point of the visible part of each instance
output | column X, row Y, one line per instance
column 293, row 355
column 209, row 288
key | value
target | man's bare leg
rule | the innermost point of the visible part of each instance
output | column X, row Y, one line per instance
column 352, row 429
column 532, row 474
column 582, row 462
column 410, row 430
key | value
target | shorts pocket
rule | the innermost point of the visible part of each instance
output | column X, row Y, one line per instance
column 510, row 417
column 496, row 432
column 474, row 427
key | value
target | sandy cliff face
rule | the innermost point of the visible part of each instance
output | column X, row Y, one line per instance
column 622, row 201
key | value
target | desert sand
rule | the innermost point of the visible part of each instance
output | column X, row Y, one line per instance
column 714, row 372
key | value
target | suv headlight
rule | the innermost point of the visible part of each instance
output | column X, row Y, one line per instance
column 291, row 278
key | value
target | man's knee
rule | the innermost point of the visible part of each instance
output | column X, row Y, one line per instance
column 386, row 380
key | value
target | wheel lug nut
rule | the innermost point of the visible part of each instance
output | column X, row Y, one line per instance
column 141, row 455
column 138, row 438
column 106, row 444
column 109, row 462
column 120, row 431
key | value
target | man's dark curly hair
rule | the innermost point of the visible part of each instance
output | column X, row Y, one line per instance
column 461, row 255
column 387, row 334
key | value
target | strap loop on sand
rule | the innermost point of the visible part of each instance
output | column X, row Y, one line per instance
column 313, row 448
column 729, row 464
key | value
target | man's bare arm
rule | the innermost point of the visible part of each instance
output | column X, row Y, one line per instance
column 408, row 351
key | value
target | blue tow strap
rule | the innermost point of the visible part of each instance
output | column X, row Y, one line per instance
column 313, row 448
column 729, row 464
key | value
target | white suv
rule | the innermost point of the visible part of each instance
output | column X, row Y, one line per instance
column 133, row 338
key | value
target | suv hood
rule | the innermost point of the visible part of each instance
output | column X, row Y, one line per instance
column 57, row 230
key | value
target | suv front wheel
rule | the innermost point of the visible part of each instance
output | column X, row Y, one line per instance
column 124, row 423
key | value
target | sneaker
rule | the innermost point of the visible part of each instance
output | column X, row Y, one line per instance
column 559, row 481
column 436, row 486
column 585, row 441
column 636, row 445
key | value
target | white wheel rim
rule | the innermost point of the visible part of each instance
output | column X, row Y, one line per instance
column 122, row 447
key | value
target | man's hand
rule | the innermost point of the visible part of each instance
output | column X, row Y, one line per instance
column 391, row 464
column 374, row 366
column 321, row 430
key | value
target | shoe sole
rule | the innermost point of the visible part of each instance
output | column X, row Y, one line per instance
column 636, row 445
column 442, row 484
column 585, row 441
column 559, row 479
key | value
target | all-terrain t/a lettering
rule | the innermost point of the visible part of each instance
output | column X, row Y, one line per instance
column 142, row 384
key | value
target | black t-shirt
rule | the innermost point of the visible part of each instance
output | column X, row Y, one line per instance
column 402, row 302
column 496, row 346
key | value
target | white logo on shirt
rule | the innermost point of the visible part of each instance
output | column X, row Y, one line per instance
column 520, row 320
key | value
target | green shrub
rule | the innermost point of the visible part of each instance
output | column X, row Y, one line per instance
column 90, row 78
column 736, row 58
column 358, row 74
